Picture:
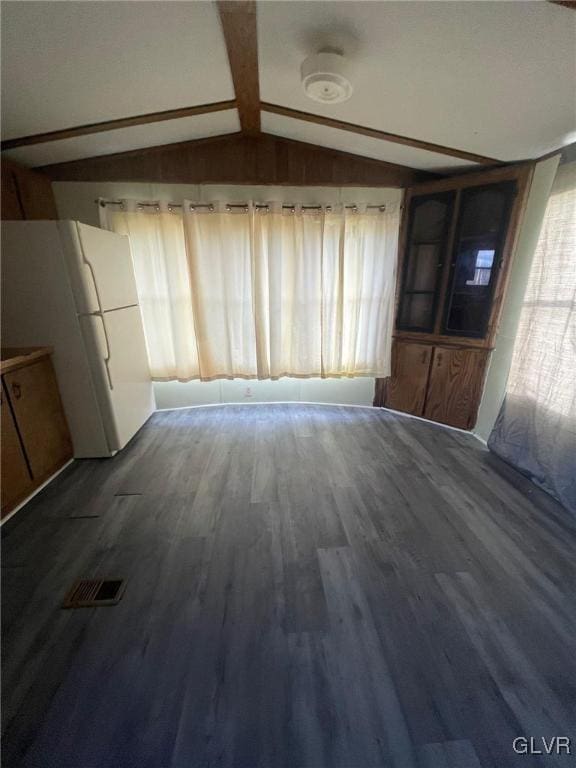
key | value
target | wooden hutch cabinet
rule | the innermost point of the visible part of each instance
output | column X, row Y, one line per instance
column 456, row 243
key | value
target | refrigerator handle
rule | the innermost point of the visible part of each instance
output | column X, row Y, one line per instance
column 107, row 357
column 99, row 313
column 92, row 274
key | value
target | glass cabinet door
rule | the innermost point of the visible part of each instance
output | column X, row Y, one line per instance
column 480, row 235
column 428, row 227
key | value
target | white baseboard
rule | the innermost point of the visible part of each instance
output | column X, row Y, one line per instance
column 263, row 402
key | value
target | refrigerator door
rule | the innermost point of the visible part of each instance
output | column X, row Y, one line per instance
column 38, row 308
column 100, row 268
column 119, row 362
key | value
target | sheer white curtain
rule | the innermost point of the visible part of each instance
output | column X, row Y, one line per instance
column 163, row 282
column 324, row 288
column 264, row 292
column 219, row 248
column 536, row 427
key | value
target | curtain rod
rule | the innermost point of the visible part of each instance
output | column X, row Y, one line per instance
column 210, row 206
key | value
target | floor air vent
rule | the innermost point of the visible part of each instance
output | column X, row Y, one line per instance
column 94, row 592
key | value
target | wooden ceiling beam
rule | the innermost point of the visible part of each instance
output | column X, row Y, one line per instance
column 238, row 19
column 113, row 125
column 373, row 133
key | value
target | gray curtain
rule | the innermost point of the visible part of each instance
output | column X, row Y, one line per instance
column 536, row 427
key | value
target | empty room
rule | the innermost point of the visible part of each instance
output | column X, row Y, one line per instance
column 288, row 384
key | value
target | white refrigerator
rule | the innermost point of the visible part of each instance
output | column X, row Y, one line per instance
column 72, row 287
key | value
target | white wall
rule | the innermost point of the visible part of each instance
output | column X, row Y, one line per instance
column 174, row 394
column 501, row 358
column 76, row 200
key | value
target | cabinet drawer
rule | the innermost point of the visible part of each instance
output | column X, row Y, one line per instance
column 35, row 400
column 455, row 386
column 16, row 480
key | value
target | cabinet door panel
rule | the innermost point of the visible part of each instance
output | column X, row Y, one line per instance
column 33, row 393
column 455, row 386
column 480, row 238
column 16, row 480
column 406, row 388
column 426, row 243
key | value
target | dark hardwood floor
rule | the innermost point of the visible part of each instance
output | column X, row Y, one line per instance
column 308, row 587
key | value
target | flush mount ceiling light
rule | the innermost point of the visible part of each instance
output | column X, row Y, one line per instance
column 324, row 77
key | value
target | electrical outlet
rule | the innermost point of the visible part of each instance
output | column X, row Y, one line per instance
column 248, row 392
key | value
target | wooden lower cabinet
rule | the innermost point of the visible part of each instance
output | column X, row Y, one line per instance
column 406, row 388
column 35, row 441
column 36, row 403
column 16, row 477
column 440, row 383
column 455, row 386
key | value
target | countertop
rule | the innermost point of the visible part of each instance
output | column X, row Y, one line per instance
column 18, row 357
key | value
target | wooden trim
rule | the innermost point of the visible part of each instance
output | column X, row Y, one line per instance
column 373, row 133
column 433, row 340
column 402, row 240
column 113, row 125
column 238, row 19
column 566, row 3
column 461, row 342
column 17, row 357
column 475, row 178
column 446, row 267
column 524, row 181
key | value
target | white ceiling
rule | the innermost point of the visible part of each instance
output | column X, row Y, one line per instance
column 493, row 78
column 72, row 63
column 290, row 128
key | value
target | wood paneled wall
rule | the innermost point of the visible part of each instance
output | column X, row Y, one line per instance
column 238, row 159
column 26, row 194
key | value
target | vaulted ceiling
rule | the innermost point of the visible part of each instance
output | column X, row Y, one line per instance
column 437, row 86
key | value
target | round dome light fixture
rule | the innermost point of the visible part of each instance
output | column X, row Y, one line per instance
column 324, row 78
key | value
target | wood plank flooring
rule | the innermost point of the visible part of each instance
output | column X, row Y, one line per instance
column 308, row 587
